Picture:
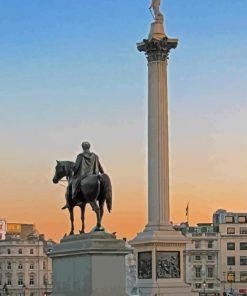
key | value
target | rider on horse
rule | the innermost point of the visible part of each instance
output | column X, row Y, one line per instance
column 87, row 163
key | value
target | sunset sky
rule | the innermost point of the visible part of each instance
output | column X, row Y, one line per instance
column 70, row 71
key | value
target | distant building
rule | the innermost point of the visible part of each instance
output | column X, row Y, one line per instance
column 25, row 268
column 2, row 228
column 216, row 257
column 233, row 251
column 202, row 259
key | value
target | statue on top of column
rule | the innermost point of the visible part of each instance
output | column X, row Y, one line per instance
column 155, row 5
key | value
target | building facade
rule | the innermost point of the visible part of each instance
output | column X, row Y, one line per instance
column 25, row 268
column 3, row 226
column 216, row 257
column 233, row 251
column 202, row 259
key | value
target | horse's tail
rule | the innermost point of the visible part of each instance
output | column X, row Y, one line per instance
column 107, row 191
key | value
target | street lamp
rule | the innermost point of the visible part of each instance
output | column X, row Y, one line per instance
column 24, row 289
column 45, row 283
column 224, row 281
column 204, row 287
column 231, row 279
column 5, row 289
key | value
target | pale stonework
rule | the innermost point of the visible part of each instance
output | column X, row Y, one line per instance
column 159, row 235
column 90, row 264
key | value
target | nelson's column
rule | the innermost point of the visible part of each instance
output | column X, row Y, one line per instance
column 159, row 248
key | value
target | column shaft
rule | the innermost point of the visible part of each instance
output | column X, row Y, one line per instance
column 158, row 145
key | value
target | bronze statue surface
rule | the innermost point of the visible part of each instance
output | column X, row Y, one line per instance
column 155, row 6
column 87, row 183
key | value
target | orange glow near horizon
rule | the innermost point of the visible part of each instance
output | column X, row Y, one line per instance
column 70, row 72
column 129, row 214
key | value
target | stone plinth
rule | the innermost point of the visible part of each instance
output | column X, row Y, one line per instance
column 89, row 265
column 157, row 31
column 160, row 262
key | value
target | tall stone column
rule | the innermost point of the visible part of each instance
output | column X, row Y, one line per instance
column 157, row 51
column 159, row 248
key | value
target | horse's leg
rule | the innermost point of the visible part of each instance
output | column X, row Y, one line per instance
column 101, row 209
column 71, row 212
column 95, row 207
column 83, row 206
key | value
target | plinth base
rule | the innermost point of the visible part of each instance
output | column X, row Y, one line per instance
column 160, row 265
column 89, row 265
column 157, row 31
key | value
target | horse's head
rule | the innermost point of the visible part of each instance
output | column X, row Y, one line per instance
column 60, row 172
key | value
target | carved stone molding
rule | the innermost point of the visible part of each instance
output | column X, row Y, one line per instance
column 157, row 50
column 167, row 264
column 145, row 265
column 161, row 244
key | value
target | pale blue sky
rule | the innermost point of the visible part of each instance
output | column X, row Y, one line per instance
column 70, row 71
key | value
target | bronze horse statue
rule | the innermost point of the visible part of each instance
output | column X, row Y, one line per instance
column 94, row 189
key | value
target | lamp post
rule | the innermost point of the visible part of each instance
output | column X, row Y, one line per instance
column 5, row 289
column 204, row 287
column 224, row 281
column 24, row 289
column 45, row 282
column 231, row 279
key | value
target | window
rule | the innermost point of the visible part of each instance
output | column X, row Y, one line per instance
column 229, row 219
column 210, row 285
column 20, row 266
column 44, row 266
column 1, row 226
column 31, row 280
column 243, row 246
column 243, row 230
column 210, row 272
column 230, row 246
column 243, row 276
column 230, row 230
column 20, row 281
column 242, row 219
column 9, row 281
column 9, row 265
column 231, row 276
column 231, row 260
column 8, row 251
column 197, row 257
column 198, row 285
column 31, row 251
column 210, row 257
column 197, row 244
column 210, row 244
column 20, row 251
column 31, row 265
column 198, row 272
column 243, row 260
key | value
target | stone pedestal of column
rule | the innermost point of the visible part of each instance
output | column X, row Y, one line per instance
column 160, row 263
column 89, row 265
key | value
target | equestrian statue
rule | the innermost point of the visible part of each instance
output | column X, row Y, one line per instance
column 87, row 183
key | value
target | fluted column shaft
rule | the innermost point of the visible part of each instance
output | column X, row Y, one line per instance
column 158, row 151
column 158, row 139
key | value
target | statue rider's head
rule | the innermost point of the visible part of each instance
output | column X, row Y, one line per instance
column 85, row 146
